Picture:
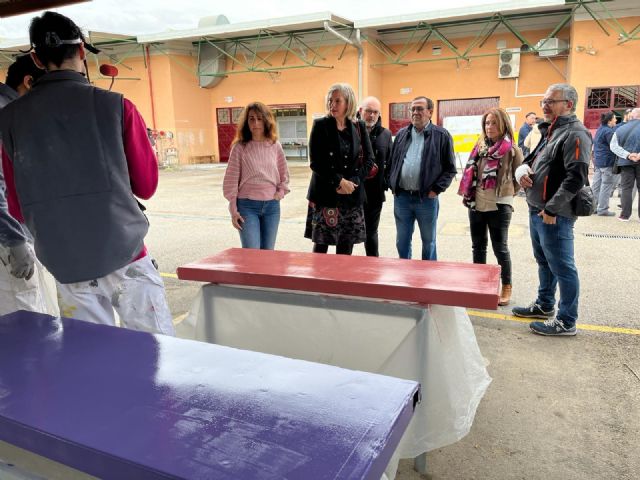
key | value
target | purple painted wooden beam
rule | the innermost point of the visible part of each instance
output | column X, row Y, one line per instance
column 122, row 404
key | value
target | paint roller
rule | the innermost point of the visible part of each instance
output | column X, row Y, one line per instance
column 107, row 70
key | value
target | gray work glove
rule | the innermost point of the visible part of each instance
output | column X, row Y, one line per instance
column 21, row 259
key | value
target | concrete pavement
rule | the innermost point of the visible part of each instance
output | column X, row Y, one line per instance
column 565, row 408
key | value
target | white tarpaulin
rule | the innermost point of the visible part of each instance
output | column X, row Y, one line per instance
column 434, row 345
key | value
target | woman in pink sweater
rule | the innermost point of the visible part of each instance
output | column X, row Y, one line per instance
column 257, row 178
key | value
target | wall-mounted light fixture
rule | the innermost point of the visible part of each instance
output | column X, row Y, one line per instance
column 589, row 50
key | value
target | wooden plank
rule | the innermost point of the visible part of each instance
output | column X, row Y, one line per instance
column 117, row 404
column 415, row 281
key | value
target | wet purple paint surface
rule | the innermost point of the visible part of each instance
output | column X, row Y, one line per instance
column 122, row 404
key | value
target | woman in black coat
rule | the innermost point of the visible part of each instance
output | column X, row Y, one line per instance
column 341, row 157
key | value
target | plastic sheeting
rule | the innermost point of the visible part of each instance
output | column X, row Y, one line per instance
column 433, row 345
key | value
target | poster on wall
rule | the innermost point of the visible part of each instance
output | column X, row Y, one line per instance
column 466, row 130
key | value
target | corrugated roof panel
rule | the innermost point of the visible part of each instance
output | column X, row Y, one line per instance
column 244, row 29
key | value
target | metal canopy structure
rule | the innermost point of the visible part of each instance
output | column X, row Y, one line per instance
column 411, row 34
column 251, row 47
column 114, row 49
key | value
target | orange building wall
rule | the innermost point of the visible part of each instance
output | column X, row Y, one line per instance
column 446, row 79
column 194, row 117
column 189, row 112
column 613, row 64
column 300, row 85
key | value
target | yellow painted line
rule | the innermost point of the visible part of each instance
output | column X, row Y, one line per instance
column 180, row 318
column 511, row 318
column 580, row 326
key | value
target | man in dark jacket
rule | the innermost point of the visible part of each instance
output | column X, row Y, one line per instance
column 19, row 288
column 525, row 129
column 553, row 174
column 604, row 180
column 374, row 186
column 422, row 167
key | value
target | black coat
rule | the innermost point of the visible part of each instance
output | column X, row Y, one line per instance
column 329, row 168
column 381, row 141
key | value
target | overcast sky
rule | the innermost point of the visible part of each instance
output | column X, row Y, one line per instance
column 150, row 16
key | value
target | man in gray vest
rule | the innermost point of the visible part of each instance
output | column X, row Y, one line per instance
column 74, row 157
column 625, row 143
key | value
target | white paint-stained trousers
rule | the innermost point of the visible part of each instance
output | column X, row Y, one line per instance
column 135, row 292
column 38, row 294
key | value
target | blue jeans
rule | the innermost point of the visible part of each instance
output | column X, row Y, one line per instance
column 553, row 250
column 604, row 181
column 407, row 208
column 261, row 219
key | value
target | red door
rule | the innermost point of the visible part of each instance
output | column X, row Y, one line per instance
column 227, row 119
column 399, row 116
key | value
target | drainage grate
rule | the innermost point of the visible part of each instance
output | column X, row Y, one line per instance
column 612, row 235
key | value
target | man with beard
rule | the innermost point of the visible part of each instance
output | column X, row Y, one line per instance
column 374, row 185
column 552, row 175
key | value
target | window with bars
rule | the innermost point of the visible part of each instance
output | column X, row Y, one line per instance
column 400, row 111
column 625, row 97
column 599, row 98
column 236, row 113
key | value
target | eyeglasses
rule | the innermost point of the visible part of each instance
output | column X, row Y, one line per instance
column 418, row 109
column 371, row 112
column 551, row 102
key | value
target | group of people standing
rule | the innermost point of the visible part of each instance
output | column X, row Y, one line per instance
column 617, row 162
column 75, row 157
column 354, row 160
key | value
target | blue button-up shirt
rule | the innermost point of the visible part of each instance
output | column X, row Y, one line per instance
column 410, row 173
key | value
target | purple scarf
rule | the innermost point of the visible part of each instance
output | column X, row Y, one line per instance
column 489, row 180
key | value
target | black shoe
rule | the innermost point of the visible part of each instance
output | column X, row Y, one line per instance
column 552, row 327
column 533, row 311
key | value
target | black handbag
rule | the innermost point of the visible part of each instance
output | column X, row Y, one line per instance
column 583, row 204
column 615, row 168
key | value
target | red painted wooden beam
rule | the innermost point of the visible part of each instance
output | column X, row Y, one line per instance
column 414, row 281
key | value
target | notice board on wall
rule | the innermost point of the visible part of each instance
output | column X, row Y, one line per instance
column 465, row 131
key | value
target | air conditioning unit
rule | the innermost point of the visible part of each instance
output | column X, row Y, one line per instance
column 509, row 63
column 552, row 47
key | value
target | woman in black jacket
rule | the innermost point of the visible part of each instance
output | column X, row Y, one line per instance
column 341, row 157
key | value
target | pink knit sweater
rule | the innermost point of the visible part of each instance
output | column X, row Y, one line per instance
column 256, row 170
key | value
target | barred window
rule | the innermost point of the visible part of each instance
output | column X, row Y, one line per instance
column 400, row 111
column 599, row 98
column 625, row 97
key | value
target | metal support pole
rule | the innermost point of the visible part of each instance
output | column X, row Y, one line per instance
column 357, row 44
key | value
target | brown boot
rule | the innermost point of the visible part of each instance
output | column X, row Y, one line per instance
column 505, row 295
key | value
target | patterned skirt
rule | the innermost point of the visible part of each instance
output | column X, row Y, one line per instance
column 335, row 225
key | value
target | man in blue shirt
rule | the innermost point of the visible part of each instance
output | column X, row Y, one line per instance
column 422, row 167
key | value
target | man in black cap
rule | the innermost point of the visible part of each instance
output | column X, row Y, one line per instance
column 74, row 157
